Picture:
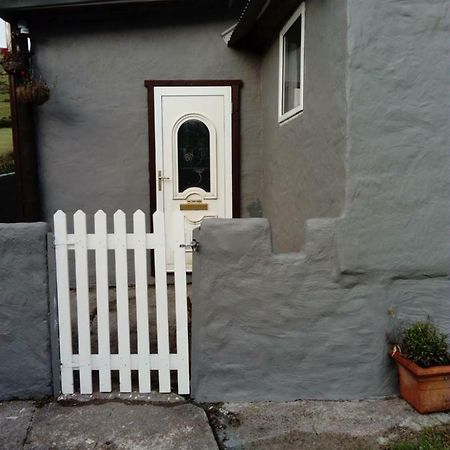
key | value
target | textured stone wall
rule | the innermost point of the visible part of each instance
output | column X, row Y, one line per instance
column 313, row 324
column 396, row 217
column 292, row 326
column 25, row 370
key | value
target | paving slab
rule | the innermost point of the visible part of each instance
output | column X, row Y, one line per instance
column 121, row 426
column 15, row 420
column 367, row 424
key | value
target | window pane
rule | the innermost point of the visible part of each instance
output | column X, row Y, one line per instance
column 292, row 54
column 193, row 156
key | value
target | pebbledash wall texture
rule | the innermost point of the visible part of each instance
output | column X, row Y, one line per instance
column 304, row 158
column 25, row 370
column 314, row 324
column 372, row 142
column 93, row 133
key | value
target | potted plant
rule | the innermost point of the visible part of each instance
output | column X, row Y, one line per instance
column 423, row 364
column 33, row 91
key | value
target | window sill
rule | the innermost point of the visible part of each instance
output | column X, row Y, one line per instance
column 289, row 116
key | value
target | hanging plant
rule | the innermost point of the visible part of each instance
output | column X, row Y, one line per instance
column 33, row 91
column 11, row 62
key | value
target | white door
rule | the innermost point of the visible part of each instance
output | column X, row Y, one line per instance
column 193, row 156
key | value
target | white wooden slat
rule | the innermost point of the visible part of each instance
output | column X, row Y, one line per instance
column 154, row 361
column 63, row 293
column 102, row 291
column 181, row 303
column 123, row 320
column 82, row 286
column 111, row 241
column 140, row 267
column 162, row 320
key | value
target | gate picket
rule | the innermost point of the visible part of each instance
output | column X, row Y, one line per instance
column 63, row 293
column 140, row 267
column 102, row 291
column 162, row 317
column 104, row 361
column 83, row 317
column 181, row 304
column 123, row 315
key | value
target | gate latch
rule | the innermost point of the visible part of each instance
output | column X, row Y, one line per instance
column 194, row 245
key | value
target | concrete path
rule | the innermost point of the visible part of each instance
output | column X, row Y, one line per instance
column 111, row 425
column 321, row 425
column 171, row 423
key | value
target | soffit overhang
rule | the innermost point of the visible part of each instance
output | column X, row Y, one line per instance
column 260, row 23
column 12, row 10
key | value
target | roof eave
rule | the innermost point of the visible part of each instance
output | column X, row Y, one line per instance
column 260, row 23
column 249, row 16
column 26, row 5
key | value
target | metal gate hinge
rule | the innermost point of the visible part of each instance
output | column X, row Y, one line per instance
column 194, row 245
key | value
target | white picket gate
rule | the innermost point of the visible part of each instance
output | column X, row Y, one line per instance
column 124, row 361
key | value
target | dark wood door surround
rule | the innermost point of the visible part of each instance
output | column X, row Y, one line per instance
column 235, row 138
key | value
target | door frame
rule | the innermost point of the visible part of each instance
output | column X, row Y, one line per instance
column 235, row 134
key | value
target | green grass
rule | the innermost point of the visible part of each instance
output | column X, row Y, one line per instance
column 6, row 144
column 437, row 438
column 7, row 163
column 5, row 110
column 4, row 85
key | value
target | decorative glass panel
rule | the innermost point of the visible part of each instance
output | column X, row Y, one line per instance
column 194, row 156
column 291, row 69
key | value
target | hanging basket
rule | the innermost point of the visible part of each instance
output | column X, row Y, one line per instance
column 12, row 63
column 34, row 92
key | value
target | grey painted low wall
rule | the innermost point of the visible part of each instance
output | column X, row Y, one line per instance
column 25, row 370
column 271, row 326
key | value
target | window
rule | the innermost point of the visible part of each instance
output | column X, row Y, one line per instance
column 292, row 65
column 193, row 156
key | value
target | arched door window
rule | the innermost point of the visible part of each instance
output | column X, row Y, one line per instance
column 194, row 159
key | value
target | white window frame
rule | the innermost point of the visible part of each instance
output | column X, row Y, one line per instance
column 282, row 117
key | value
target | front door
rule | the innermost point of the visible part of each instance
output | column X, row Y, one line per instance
column 193, row 156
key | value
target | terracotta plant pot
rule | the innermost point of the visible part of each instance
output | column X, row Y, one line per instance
column 35, row 92
column 427, row 390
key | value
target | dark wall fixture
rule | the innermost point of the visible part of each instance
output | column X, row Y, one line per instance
column 23, row 127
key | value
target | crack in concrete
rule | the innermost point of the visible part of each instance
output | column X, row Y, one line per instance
column 315, row 430
column 27, row 433
column 206, row 407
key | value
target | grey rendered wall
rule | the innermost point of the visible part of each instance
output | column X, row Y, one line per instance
column 25, row 370
column 313, row 324
column 303, row 160
column 93, row 133
column 396, row 218
column 291, row 326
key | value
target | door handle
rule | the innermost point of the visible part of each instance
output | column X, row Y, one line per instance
column 161, row 179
